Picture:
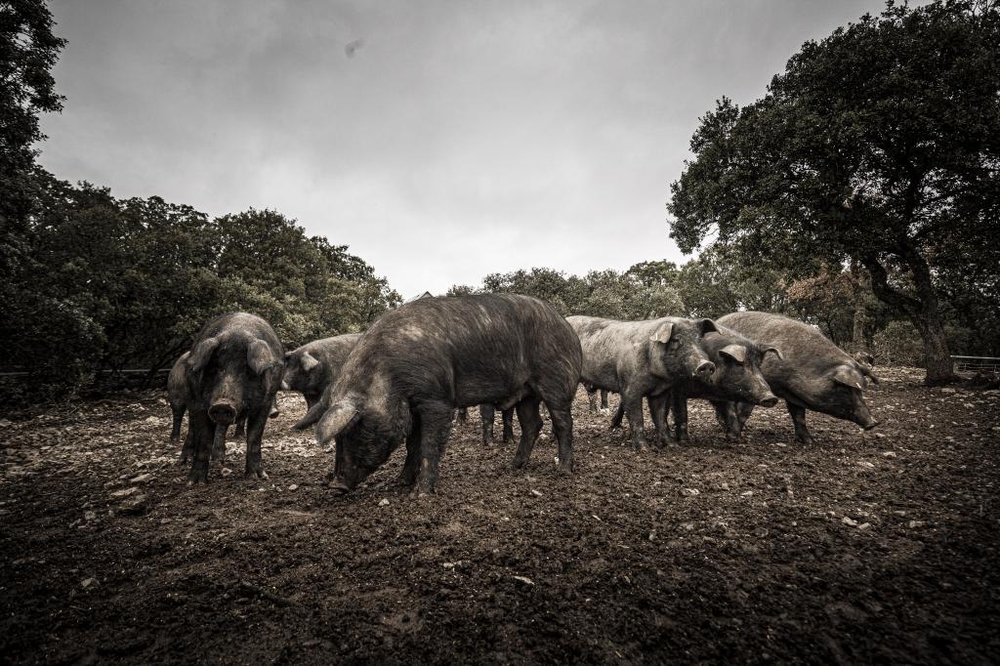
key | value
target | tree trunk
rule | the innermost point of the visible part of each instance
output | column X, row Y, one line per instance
column 922, row 311
column 858, row 340
column 937, row 359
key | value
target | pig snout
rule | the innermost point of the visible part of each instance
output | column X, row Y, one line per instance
column 704, row 369
column 871, row 424
column 864, row 419
column 770, row 400
column 222, row 412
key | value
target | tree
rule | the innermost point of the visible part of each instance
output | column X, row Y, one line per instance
column 28, row 51
column 878, row 145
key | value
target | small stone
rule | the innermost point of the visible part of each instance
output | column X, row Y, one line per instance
column 293, row 487
column 690, row 492
column 849, row 521
column 87, row 583
column 142, row 478
column 90, row 515
column 125, row 492
column 384, row 501
column 915, row 524
column 225, row 471
column 524, row 579
column 535, row 493
column 134, row 506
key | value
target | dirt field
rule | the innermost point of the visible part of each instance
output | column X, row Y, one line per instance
column 875, row 548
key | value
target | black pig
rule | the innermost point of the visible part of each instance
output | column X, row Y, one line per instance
column 812, row 373
column 737, row 377
column 418, row 363
column 487, row 413
column 642, row 358
column 177, row 394
column 309, row 369
column 233, row 372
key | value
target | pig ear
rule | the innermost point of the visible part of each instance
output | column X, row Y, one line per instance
column 314, row 414
column 772, row 348
column 663, row 333
column 308, row 362
column 735, row 352
column 341, row 416
column 260, row 357
column 848, row 377
column 866, row 371
column 201, row 353
column 707, row 326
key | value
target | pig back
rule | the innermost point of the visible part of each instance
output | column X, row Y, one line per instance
column 807, row 354
column 470, row 350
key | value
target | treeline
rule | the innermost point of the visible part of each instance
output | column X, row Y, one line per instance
column 838, row 299
column 97, row 285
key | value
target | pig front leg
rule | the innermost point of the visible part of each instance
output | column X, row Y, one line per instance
column 202, row 430
column 743, row 412
column 255, row 434
column 725, row 414
column 507, row 416
column 616, row 418
column 408, row 475
column 435, row 425
column 487, row 413
column 798, row 414
column 219, row 442
column 633, row 409
column 175, row 431
column 658, row 405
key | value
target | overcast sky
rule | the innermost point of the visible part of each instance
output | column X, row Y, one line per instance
column 440, row 140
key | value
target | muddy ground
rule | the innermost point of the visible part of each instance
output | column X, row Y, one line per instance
column 874, row 548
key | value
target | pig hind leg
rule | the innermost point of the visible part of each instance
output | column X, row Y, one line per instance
column 798, row 414
column 531, row 425
column 562, row 426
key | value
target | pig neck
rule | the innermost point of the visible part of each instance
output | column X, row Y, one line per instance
column 383, row 401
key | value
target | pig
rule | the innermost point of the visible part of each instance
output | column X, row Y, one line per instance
column 419, row 362
column 487, row 414
column 642, row 358
column 309, row 369
column 592, row 394
column 177, row 394
column 233, row 371
column 811, row 373
column 737, row 377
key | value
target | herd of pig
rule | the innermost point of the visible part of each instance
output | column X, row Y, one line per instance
column 405, row 377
